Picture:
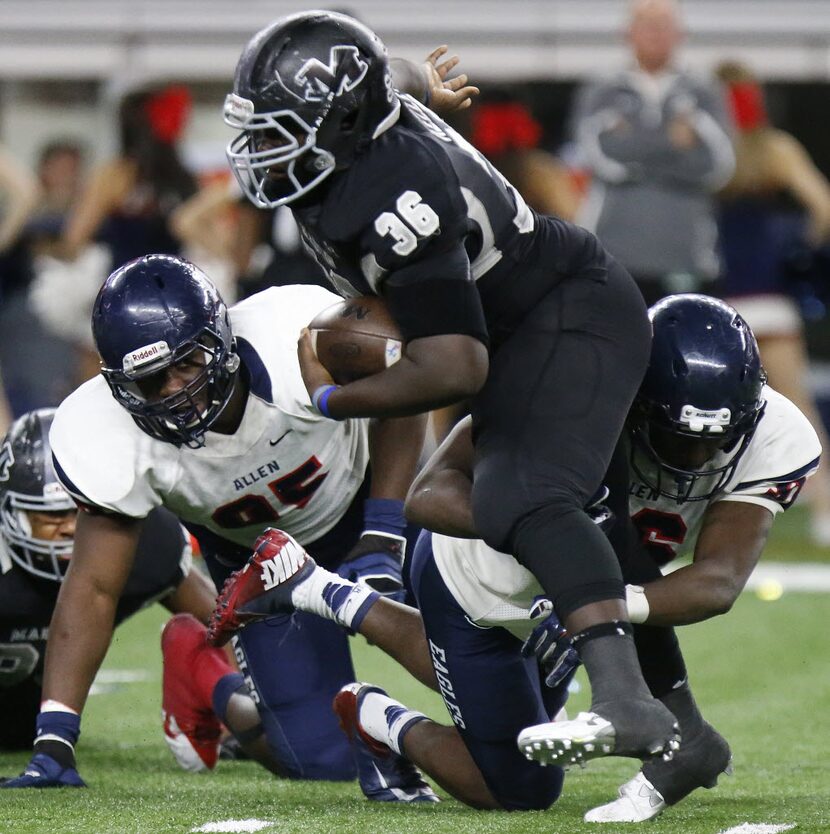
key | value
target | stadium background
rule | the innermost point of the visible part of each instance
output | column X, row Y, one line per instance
column 762, row 673
column 65, row 63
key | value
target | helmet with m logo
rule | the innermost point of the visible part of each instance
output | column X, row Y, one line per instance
column 310, row 91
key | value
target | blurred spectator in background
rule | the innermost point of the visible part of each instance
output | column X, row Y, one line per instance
column 656, row 143
column 25, row 358
column 505, row 131
column 262, row 246
column 127, row 201
column 60, row 171
column 121, row 213
column 18, row 197
column 775, row 210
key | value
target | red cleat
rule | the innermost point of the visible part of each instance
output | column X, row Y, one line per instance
column 191, row 728
column 262, row 588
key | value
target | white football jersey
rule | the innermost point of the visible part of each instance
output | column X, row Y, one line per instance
column 286, row 465
column 494, row 589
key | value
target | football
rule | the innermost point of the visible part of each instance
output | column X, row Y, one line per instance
column 356, row 337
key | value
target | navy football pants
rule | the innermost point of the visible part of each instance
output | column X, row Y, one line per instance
column 490, row 690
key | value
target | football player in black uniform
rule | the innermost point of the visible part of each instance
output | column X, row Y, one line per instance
column 525, row 314
column 37, row 528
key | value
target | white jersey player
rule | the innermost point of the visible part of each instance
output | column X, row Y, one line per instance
column 204, row 411
column 285, row 465
column 782, row 453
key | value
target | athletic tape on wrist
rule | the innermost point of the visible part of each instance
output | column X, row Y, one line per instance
column 384, row 515
column 637, row 603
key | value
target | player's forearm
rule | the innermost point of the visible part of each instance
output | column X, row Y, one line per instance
column 690, row 594
column 79, row 636
column 395, row 448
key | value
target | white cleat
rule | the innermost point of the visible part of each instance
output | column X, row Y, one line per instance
column 639, row 801
column 564, row 743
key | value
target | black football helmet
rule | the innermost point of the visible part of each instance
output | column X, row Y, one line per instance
column 310, row 91
column 704, row 382
column 149, row 315
column 28, row 484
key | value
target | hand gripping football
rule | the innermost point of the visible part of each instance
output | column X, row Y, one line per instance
column 356, row 337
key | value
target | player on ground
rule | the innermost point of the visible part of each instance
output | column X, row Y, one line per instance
column 203, row 410
column 37, row 529
column 525, row 314
column 473, row 646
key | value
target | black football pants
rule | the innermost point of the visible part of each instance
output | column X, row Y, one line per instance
column 545, row 426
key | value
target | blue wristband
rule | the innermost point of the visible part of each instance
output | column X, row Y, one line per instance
column 64, row 725
column 384, row 515
column 320, row 399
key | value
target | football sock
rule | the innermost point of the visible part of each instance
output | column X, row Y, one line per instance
column 223, row 689
column 387, row 720
column 613, row 669
column 328, row 595
column 682, row 703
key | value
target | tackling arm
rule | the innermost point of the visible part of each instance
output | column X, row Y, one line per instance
column 439, row 498
column 728, row 548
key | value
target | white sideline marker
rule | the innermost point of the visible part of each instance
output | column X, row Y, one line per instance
column 758, row 828
column 232, row 827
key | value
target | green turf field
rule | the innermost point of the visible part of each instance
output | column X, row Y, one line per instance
column 761, row 674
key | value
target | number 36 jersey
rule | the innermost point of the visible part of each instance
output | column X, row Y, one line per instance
column 286, row 466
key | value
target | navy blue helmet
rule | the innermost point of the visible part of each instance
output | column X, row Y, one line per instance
column 28, row 484
column 310, row 91
column 149, row 315
column 704, row 383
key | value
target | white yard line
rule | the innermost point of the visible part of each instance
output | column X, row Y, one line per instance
column 758, row 828
column 232, row 827
column 795, row 576
column 812, row 577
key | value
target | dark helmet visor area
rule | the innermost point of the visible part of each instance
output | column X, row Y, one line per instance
column 181, row 418
column 275, row 157
column 688, row 466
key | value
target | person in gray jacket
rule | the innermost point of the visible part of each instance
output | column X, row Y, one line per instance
column 656, row 141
